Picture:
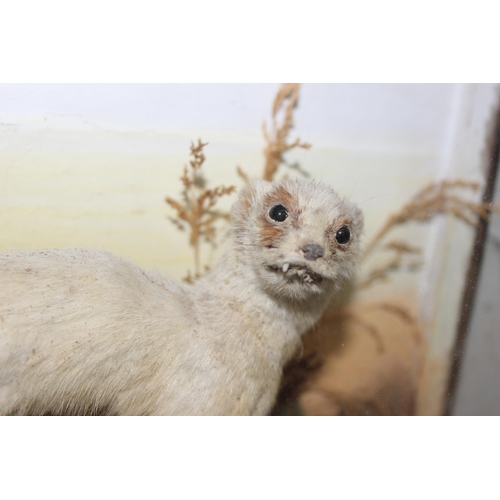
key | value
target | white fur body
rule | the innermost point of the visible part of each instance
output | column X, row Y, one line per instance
column 85, row 332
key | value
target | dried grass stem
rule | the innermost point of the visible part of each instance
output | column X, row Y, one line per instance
column 277, row 138
column 196, row 211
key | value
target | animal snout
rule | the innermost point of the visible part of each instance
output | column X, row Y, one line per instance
column 312, row 251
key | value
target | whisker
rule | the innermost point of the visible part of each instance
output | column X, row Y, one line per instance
column 355, row 184
column 372, row 198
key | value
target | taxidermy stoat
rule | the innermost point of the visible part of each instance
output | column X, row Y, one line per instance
column 84, row 332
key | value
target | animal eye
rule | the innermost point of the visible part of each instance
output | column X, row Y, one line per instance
column 278, row 213
column 343, row 235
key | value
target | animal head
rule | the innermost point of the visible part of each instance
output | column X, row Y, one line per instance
column 298, row 236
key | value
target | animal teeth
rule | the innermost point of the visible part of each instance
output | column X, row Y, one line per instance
column 285, row 267
column 300, row 272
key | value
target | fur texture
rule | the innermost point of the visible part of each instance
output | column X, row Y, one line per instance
column 85, row 332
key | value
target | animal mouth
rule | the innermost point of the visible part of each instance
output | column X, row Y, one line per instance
column 294, row 272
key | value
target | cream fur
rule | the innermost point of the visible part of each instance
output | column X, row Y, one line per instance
column 85, row 332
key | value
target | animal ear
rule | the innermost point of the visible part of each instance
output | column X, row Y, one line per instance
column 248, row 198
column 358, row 220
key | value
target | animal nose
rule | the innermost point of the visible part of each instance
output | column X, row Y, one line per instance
column 312, row 251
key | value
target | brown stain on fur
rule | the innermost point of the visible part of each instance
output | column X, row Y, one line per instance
column 271, row 232
column 333, row 228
